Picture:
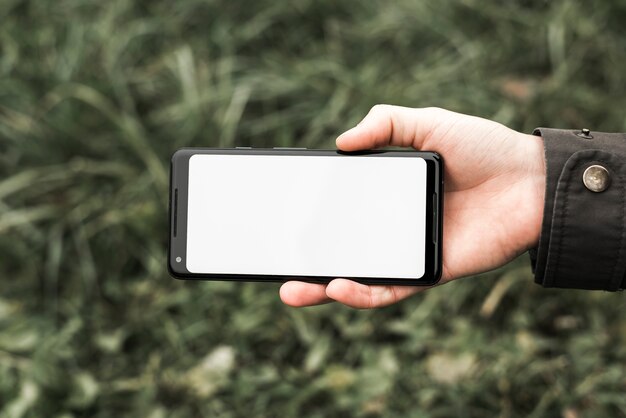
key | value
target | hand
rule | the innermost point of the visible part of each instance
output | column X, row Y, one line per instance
column 493, row 196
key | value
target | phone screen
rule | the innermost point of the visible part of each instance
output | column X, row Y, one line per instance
column 306, row 215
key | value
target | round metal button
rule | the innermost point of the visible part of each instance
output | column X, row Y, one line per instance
column 596, row 178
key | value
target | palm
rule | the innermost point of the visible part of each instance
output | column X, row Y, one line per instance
column 492, row 203
column 492, row 208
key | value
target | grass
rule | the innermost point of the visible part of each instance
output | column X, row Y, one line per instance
column 95, row 97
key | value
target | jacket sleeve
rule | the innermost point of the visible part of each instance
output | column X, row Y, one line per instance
column 583, row 236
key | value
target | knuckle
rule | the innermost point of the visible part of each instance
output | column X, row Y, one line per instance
column 382, row 108
column 370, row 302
column 381, row 296
column 435, row 110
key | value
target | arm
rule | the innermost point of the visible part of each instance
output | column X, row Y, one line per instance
column 494, row 195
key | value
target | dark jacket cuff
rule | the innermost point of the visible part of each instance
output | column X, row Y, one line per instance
column 583, row 235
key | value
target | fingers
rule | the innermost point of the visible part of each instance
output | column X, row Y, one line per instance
column 391, row 125
column 348, row 292
column 298, row 294
column 357, row 295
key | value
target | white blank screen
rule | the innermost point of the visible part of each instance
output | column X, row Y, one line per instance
column 338, row 216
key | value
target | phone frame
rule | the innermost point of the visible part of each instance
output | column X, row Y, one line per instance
column 179, row 179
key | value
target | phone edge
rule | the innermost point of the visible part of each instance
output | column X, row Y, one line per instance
column 180, row 162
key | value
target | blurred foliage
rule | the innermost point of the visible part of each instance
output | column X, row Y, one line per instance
column 94, row 98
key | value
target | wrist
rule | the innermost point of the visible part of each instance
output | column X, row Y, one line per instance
column 536, row 175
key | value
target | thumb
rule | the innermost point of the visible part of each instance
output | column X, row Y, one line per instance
column 391, row 125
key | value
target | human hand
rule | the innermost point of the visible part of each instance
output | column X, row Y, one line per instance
column 493, row 196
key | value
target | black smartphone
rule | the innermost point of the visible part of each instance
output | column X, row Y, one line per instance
column 312, row 215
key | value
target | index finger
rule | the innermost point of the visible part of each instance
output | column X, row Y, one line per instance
column 296, row 293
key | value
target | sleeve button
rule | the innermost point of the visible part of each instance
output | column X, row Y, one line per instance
column 596, row 178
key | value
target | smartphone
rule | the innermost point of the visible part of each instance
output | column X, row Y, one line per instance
column 312, row 215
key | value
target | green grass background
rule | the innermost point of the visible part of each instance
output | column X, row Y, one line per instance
column 96, row 95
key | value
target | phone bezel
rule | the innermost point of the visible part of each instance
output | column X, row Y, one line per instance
column 179, row 179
